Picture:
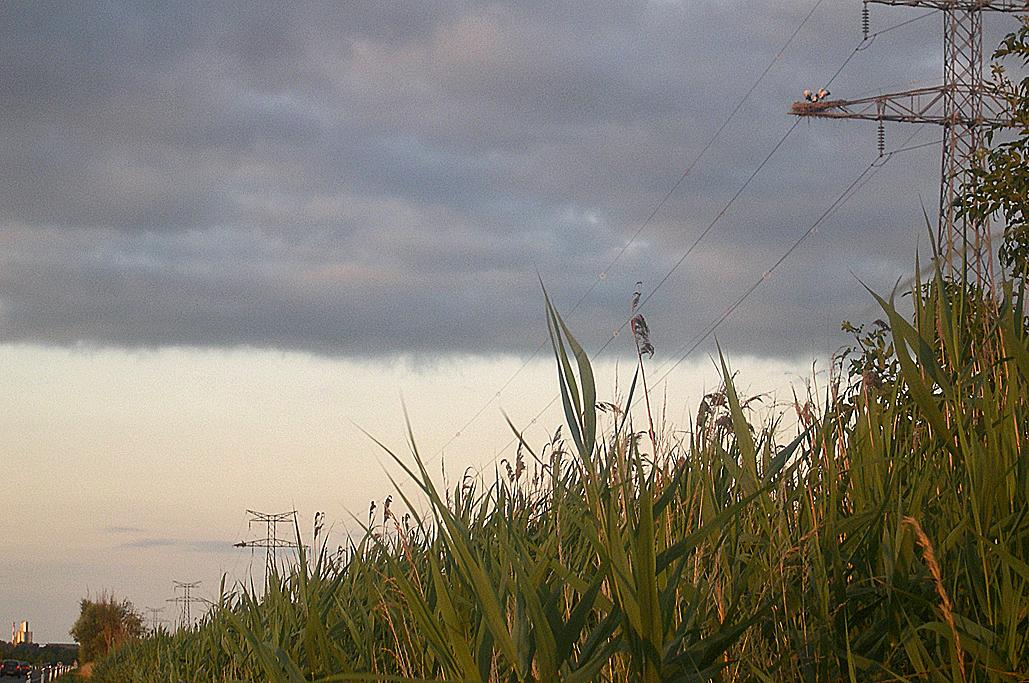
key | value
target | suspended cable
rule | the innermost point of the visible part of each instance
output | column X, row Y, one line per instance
column 646, row 222
column 603, row 274
column 852, row 190
column 845, row 196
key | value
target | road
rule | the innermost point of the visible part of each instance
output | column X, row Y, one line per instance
column 37, row 676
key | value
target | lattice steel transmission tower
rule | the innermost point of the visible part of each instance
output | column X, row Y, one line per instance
column 964, row 105
column 184, row 601
column 271, row 542
column 155, row 617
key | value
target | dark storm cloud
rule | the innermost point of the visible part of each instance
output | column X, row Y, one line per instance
column 380, row 177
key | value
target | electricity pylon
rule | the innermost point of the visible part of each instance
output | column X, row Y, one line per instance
column 963, row 104
column 184, row 602
column 271, row 542
column 155, row 619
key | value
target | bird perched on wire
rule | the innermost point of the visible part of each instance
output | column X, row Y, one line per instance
column 822, row 94
column 809, row 96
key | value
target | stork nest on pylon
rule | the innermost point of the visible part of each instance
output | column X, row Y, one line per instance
column 803, row 107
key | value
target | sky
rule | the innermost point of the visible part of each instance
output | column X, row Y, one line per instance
column 235, row 240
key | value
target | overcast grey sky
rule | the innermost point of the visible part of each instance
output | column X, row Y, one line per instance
column 364, row 178
column 218, row 222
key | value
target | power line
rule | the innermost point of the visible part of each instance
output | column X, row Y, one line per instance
column 851, row 190
column 703, row 151
column 718, row 217
column 848, row 193
column 902, row 24
column 867, row 43
column 732, row 200
column 864, row 43
column 860, row 47
column 646, row 222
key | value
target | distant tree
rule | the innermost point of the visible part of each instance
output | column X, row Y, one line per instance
column 103, row 625
column 51, row 653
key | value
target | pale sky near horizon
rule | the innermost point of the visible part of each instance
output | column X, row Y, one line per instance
column 233, row 236
column 136, row 467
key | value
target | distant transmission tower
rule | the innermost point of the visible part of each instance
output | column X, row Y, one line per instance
column 964, row 105
column 184, row 602
column 155, row 619
column 272, row 541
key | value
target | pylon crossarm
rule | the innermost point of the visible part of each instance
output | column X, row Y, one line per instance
column 966, row 5
column 965, row 105
column 276, row 517
column 925, row 105
column 267, row 543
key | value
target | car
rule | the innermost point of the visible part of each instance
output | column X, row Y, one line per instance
column 15, row 667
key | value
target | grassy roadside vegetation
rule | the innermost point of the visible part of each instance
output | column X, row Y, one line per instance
column 888, row 540
column 885, row 539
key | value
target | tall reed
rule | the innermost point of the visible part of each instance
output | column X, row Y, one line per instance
column 887, row 538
